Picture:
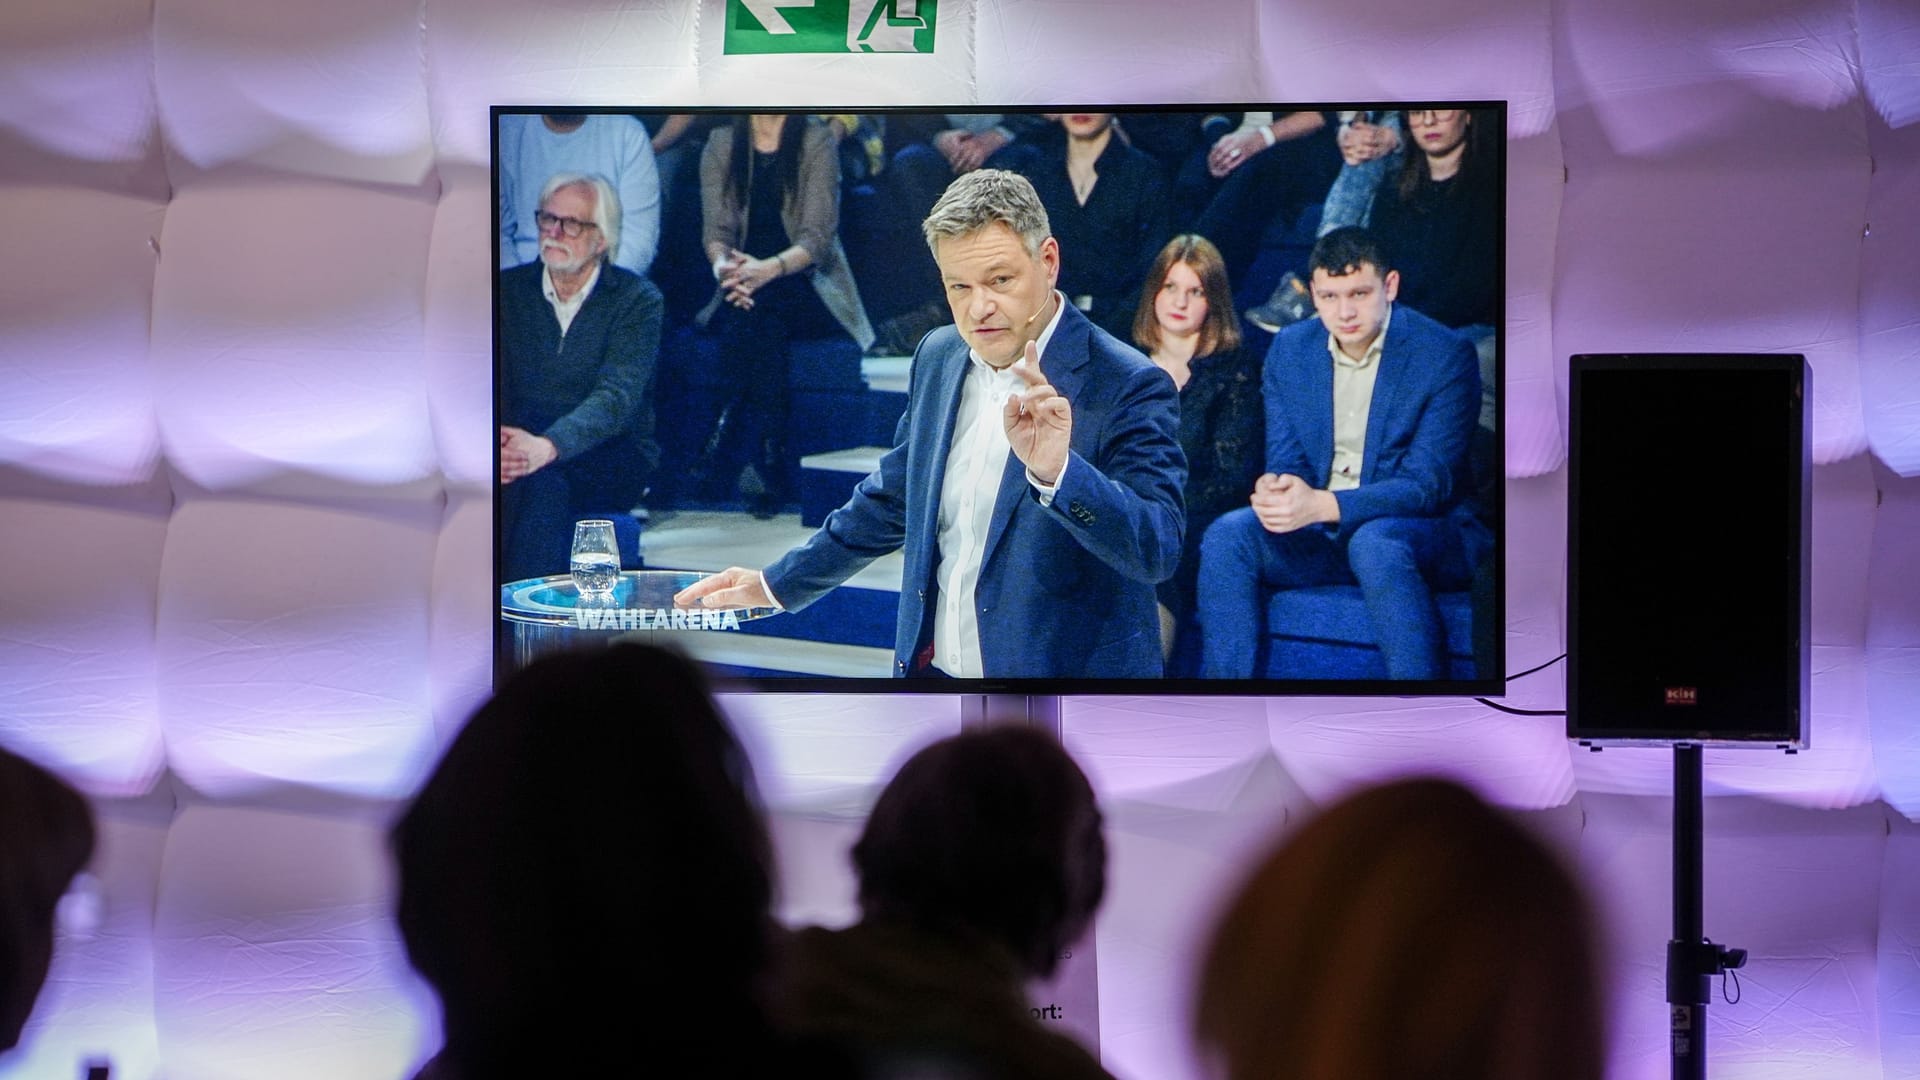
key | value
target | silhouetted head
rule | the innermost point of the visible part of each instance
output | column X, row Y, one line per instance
column 587, row 862
column 46, row 838
column 1410, row 932
column 993, row 833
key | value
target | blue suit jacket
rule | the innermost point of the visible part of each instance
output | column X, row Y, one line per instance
column 1426, row 401
column 1066, row 589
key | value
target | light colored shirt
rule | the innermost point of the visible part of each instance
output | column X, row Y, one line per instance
column 616, row 148
column 565, row 310
column 975, row 462
column 1352, row 401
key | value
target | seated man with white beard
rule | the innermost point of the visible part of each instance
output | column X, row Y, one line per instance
column 578, row 340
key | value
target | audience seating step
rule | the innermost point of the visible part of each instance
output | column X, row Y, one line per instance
column 826, row 479
column 887, row 374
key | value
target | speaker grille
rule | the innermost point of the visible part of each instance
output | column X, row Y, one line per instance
column 1687, row 556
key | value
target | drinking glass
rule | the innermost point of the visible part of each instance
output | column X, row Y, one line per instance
column 596, row 558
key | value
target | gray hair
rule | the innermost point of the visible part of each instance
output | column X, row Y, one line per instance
column 606, row 204
column 982, row 197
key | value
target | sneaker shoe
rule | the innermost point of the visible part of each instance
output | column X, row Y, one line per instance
column 1289, row 304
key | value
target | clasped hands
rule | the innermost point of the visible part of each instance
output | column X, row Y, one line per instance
column 1285, row 503
column 966, row 151
column 1361, row 142
column 741, row 275
column 522, row 452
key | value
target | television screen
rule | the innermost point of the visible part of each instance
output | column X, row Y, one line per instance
column 1199, row 399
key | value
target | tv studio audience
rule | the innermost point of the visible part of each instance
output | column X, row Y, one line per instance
column 770, row 192
column 1409, row 932
column 1371, row 147
column 1186, row 326
column 46, row 839
column 982, row 860
column 1272, row 168
column 585, row 881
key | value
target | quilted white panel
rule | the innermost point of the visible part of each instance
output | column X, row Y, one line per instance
column 76, row 79
column 1726, row 131
column 1536, row 594
column 828, row 755
column 1889, row 40
column 331, row 90
column 1054, row 51
column 76, row 398
column 816, row 881
column 1192, row 754
column 1333, row 746
column 1806, row 1005
column 1898, row 989
column 1893, row 643
column 459, row 329
column 465, row 610
column 293, row 647
column 275, row 952
column 287, row 331
column 77, row 689
column 1394, row 50
column 98, row 1001
column 1169, row 871
column 1535, row 172
column 1890, row 290
column 564, row 52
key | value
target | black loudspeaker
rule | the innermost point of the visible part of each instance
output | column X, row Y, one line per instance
column 1687, row 513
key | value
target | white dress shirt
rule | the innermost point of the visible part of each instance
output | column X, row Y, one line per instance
column 975, row 461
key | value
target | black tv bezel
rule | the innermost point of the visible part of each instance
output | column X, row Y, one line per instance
column 1061, row 686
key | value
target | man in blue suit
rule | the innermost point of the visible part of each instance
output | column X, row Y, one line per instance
column 1035, row 479
column 1370, row 410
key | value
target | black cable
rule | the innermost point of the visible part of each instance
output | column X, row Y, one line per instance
column 1522, row 675
column 1537, row 667
column 1520, row 712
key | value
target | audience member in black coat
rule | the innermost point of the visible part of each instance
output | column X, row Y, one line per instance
column 585, row 880
column 1107, row 203
column 1441, row 218
column 982, row 860
column 1187, row 325
column 46, row 838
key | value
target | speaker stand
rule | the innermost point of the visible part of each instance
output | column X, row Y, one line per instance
column 1691, row 959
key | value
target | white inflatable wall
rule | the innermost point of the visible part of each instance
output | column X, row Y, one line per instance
column 244, row 456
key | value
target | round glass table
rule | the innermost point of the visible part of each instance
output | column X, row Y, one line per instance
column 548, row 613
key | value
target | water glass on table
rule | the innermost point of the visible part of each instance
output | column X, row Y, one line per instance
column 596, row 558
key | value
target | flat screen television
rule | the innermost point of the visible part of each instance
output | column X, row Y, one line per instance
column 1277, row 330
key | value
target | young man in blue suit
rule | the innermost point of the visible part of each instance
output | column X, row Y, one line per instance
column 1370, row 410
column 1035, row 480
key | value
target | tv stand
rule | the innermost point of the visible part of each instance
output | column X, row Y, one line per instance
column 1071, row 999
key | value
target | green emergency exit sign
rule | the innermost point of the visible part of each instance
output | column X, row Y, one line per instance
column 829, row 26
